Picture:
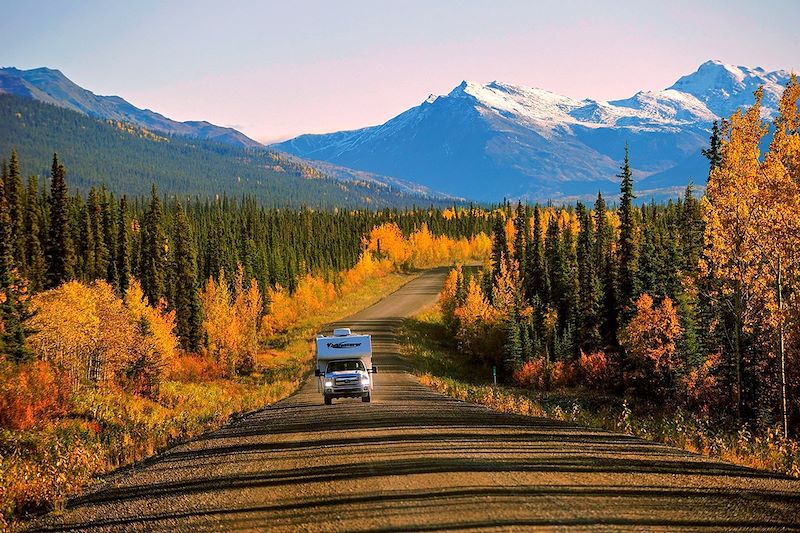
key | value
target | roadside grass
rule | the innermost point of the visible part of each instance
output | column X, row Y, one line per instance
column 439, row 366
column 105, row 429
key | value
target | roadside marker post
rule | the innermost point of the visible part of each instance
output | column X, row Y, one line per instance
column 494, row 375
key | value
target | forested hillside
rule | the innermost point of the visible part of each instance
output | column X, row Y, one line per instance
column 53, row 87
column 128, row 159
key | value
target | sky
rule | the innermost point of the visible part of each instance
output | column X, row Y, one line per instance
column 278, row 69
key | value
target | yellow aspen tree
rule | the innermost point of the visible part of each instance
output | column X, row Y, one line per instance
column 779, row 225
column 506, row 289
column 729, row 207
column 66, row 327
column 387, row 240
column 247, row 306
column 475, row 317
column 448, row 297
column 160, row 322
column 220, row 323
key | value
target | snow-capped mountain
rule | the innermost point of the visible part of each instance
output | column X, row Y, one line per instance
column 494, row 140
column 725, row 88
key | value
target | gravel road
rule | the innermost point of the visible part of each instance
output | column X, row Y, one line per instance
column 414, row 460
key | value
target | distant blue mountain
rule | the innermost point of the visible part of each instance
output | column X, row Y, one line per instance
column 52, row 87
column 497, row 140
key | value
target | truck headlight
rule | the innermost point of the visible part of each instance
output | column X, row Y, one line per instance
column 365, row 381
column 329, row 384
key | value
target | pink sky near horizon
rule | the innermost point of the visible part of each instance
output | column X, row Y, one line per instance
column 274, row 71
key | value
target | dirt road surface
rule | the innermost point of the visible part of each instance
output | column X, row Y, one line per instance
column 413, row 460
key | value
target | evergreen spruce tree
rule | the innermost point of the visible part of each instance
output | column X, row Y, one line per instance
column 512, row 347
column 108, row 207
column 6, row 244
column 606, row 268
column 691, row 228
column 84, row 268
column 16, row 210
column 214, row 253
column 714, row 151
column 569, row 302
column 554, row 263
column 34, row 252
column 123, row 258
column 534, row 262
column 588, row 304
column 99, row 252
column 689, row 345
column 59, row 253
column 669, row 259
column 626, row 247
column 188, row 319
column 13, row 297
column 521, row 240
column 153, row 258
column 647, row 275
column 499, row 247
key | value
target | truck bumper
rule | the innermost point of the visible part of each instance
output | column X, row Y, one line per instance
column 352, row 392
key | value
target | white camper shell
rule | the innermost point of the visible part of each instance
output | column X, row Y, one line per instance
column 344, row 365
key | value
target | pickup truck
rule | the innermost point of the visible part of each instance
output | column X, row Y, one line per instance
column 344, row 366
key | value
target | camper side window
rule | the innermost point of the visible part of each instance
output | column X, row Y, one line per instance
column 339, row 366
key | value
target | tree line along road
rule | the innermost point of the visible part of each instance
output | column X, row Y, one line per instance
column 413, row 460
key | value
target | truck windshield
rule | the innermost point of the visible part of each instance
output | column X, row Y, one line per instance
column 338, row 366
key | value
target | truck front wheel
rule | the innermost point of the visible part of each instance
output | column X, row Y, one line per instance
column 365, row 398
column 328, row 400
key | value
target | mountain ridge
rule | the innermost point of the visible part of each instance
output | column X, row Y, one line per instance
column 128, row 159
column 51, row 86
column 537, row 144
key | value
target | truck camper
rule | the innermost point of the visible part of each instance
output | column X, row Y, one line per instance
column 344, row 366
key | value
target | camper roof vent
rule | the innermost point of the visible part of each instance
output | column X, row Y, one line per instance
column 341, row 332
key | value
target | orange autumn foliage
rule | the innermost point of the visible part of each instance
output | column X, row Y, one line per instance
column 386, row 250
column 701, row 386
column 562, row 375
column 366, row 267
column 650, row 338
column 282, row 312
column 731, row 210
column 312, row 294
column 248, row 306
column 32, row 393
column 532, row 374
column 594, row 369
column 448, row 296
column 752, row 236
column 193, row 368
column 422, row 249
column 387, row 241
column 285, row 309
